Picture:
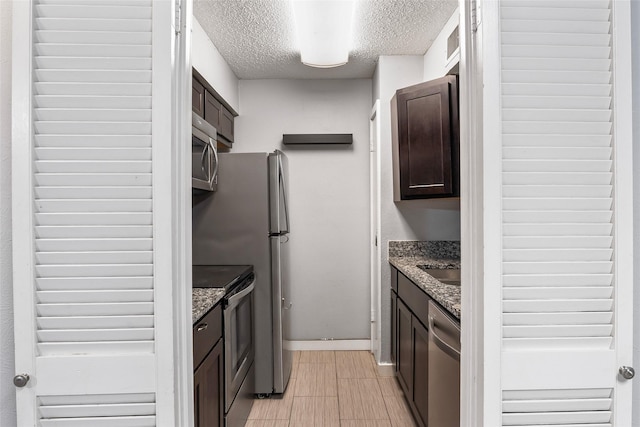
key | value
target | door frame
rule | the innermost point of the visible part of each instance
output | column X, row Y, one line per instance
column 374, row 220
column 181, row 217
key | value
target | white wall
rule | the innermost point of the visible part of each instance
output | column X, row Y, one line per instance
column 435, row 64
column 208, row 61
column 7, row 391
column 329, row 196
column 635, row 32
column 435, row 219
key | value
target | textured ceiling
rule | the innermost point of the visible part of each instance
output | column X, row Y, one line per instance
column 257, row 39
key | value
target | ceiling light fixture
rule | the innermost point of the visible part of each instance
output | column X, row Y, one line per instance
column 324, row 31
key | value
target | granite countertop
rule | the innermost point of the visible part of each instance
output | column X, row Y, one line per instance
column 406, row 256
column 203, row 300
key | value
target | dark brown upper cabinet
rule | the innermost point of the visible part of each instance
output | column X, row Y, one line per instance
column 197, row 98
column 225, row 129
column 212, row 108
column 208, row 104
column 426, row 140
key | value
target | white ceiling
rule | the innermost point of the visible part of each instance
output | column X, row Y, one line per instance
column 257, row 39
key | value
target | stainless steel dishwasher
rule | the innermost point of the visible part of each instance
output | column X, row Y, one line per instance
column 444, row 369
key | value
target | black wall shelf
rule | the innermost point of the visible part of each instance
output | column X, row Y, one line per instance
column 317, row 138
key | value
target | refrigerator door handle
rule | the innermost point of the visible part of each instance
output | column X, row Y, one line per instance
column 284, row 196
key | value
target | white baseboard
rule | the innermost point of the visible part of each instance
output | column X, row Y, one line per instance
column 331, row 345
column 386, row 369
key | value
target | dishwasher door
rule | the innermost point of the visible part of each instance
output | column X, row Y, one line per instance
column 444, row 369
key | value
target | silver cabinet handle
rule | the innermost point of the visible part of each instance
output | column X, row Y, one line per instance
column 202, row 327
column 627, row 372
column 21, row 380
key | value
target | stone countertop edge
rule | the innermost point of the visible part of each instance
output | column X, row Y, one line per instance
column 448, row 296
column 203, row 300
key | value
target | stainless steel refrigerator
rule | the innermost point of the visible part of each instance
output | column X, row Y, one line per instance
column 247, row 222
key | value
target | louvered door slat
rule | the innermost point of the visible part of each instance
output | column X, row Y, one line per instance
column 89, row 166
column 97, row 153
column 93, row 36
column 87, row 179
column 102, row 410
column 569, row 178
column 557, row 38
column 66, row 114
column 80, row 296
column 94, row 24
column 85, row 231
column 92, row 50
column 115, row 282
column 116, row 102
column 94, row 218
column 84, row 88
column 93, row 140
column 552, row 319
column 49, row 245
column 95, row 322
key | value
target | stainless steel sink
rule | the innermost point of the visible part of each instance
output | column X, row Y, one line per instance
column 446, row 276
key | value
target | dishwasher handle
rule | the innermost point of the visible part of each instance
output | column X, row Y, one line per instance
column 447, row 348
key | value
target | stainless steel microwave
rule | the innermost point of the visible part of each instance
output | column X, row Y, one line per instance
column 204, row 155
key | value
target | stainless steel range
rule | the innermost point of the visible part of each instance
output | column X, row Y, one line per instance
column 239, row 354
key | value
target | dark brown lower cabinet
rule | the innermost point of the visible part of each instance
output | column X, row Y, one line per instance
column 394, row 329
column 208, row 379
column 420, row 344
column 405, row 349
column 411, row 340
column 208, row 390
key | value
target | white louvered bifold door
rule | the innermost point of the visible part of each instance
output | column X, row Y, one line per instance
column 92, row 114
column 565, row 274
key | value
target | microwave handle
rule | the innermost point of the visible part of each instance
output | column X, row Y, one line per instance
column 202, row 160
column 215, row 156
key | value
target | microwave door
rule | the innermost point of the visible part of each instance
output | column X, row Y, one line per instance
column 201, row 160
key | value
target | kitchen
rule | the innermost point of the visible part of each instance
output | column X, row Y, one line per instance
column 328, row 184
column 315, row 158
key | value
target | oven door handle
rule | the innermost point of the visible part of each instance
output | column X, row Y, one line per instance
column 235, row 300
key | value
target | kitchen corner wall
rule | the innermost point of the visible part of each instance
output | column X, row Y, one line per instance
column 431, row 219
column 434, row 60
column 207, row 60
column 329, row 196
column 7, row 390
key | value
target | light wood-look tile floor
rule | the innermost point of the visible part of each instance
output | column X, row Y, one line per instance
column 334, row 388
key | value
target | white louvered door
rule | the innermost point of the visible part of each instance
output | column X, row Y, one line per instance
column 92, row 140
column 565, row 267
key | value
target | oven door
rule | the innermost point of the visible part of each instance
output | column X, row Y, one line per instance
column 238, row 340
column 204, row 161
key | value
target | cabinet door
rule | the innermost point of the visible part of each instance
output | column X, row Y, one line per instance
column 394, row 330
column 226, row 124
column 211, row 109
column 420, row 337
column 405, row 350
column 197, row 98
column 208, row 390
column 427, row 141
